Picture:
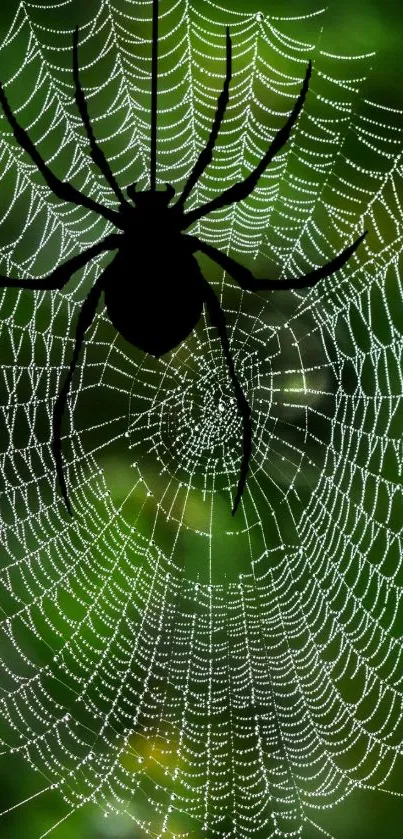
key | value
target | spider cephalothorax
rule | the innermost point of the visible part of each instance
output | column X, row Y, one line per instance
column 150, row 198
column 154, row 290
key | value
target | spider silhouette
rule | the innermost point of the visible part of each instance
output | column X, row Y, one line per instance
column 153, row 288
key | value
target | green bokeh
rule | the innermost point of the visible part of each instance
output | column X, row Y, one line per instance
column 350, row 28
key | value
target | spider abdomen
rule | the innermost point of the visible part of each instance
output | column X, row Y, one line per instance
column 154, row 299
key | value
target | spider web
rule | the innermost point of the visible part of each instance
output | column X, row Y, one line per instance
column 203, row 674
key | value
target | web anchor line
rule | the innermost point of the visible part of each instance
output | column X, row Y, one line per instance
column 154, row 86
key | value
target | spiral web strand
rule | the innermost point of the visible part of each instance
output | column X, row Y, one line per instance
column 200, row 674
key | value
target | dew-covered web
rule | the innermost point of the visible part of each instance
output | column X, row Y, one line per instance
column 205, row 675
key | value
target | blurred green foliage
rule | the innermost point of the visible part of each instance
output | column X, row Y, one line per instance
column 364, row 25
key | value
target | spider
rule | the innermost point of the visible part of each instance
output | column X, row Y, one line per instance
column 153, row 288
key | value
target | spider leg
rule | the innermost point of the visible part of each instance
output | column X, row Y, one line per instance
column 247, row 281
column 241, row 190
column 85, row 319
column 217, row 319
column 61, row 275
column 207, row 153
column 62, row 189
column 96, row 153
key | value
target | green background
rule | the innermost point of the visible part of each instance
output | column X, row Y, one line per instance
column 351, row 27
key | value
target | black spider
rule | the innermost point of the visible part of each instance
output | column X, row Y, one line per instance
column 154, row 289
